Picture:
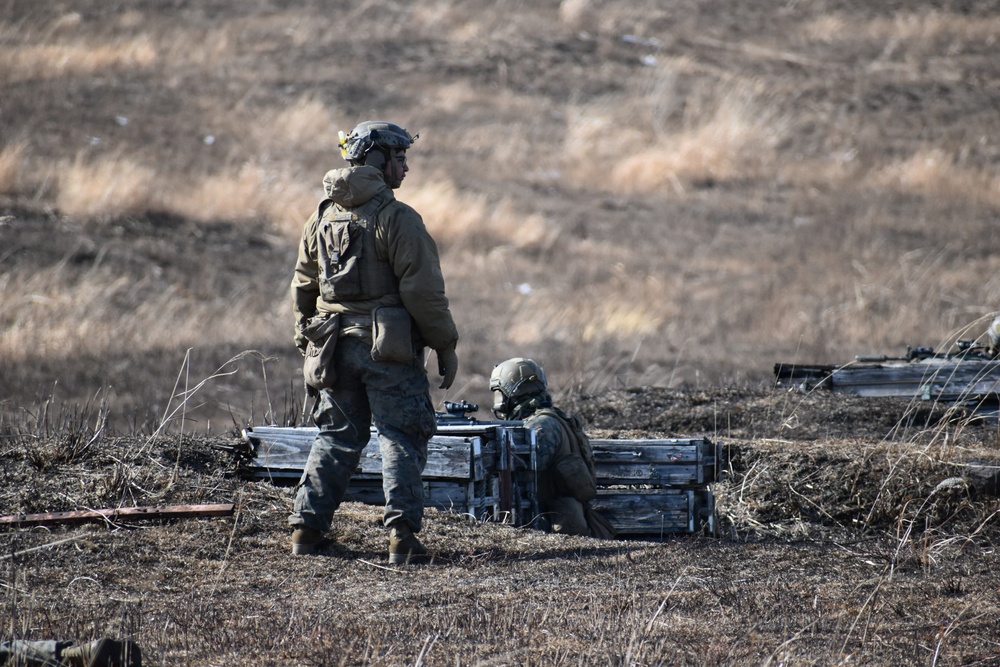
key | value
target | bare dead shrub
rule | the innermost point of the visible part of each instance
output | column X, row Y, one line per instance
column 67, row 437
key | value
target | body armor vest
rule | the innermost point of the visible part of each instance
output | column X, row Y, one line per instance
column 349, row 266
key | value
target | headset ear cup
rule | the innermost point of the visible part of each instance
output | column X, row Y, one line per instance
column 375, row 159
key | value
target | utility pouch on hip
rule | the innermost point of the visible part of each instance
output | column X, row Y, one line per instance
column 392, row 334
column 322, row 333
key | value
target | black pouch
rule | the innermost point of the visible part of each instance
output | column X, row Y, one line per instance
column 318, row 369
column 392, row 334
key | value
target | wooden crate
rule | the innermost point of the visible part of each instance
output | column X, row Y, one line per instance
column 658, row 486
column 657, row 511
column 676, row 462
column 459, row 475
column 486, row 469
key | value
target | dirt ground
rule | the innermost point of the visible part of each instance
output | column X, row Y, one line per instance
column 828, row 186
column 838, row 544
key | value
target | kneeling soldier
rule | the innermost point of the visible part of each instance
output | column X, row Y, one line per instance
column 566, row 481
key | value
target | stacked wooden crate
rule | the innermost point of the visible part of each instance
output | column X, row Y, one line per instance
column 460, row 474
column 660, row 486
column 486, row 469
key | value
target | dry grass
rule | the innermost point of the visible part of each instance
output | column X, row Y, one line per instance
column 54, row 317
column 74, row 59
column 934, row 173
column 11, row 164
column 794, row 579
column 255, row 191
column 727, row 133
column 928, row 27
column 934, row 26
column 107, row 187
column 467, row 222
column 641, row 196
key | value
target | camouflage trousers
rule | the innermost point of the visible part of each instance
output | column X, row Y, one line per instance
column 33, row 653
column 395, row 397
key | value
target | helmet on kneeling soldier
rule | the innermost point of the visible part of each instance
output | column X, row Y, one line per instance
column 519, row 388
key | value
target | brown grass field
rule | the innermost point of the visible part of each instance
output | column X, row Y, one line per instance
column 657, row 201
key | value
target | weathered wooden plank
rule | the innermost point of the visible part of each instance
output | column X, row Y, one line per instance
column 449, row 458
column 674, row 461
column 672, row 450
column 929, row 379
column 648, row 513
column 281, row 450
column 286, row 449
column 118, row 515
column 933, row 378
column 609, row 474
column 958, row 376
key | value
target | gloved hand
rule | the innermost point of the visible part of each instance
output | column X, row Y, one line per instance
column 447, row 366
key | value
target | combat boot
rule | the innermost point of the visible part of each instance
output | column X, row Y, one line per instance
column 405, row 548
column 102, row 653
column 306, row 540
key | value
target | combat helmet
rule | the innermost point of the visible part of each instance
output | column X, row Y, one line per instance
column 514, row 383
column 354, row 147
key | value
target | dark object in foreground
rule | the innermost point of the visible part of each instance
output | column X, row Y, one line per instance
column 646, row 487
column 50, row 653
column 119, row 515
column 969, row 377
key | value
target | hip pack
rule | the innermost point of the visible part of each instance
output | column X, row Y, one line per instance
column 322, row 333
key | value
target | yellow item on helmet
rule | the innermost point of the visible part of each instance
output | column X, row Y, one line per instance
column 343, row 144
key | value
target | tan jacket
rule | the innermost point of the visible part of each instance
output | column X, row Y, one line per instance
column 401, row 240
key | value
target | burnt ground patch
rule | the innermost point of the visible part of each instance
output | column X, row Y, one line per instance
column 853, row 547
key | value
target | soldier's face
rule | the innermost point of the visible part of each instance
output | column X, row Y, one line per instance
column 395, row 169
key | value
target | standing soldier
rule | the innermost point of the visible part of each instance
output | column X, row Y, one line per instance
column 369, row 296
column 564, row 462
